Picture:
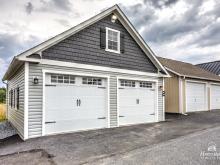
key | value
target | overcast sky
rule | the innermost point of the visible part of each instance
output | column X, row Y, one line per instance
column 187, row 30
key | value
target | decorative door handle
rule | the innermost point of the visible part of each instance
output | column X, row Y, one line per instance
column 101, row 117
column 50, row 122
column 79, row 102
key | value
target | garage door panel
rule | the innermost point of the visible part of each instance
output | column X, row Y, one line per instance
column 136, row 105
column 77, row 124
column 215, row 97
column 196, row 97
column 75, row 107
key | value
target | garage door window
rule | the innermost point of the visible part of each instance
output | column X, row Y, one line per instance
column 146, row 84
column 63, row 79
column 91, row 81
column 127, row 83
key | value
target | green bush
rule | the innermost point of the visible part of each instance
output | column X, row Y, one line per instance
column 2, row 95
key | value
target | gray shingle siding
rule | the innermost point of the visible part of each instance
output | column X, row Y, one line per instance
column 84, row 47
column 16, row 116
column 35, row 94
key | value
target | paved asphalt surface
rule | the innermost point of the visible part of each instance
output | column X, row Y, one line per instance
column 139, row 144
column 187, row 150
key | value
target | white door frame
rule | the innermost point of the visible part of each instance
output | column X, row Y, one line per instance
column 44, row 71
column 198, row 82
column 138, row 79
column 216, row 84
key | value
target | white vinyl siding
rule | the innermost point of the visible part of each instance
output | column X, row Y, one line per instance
column 16, row 116
column 35, row 94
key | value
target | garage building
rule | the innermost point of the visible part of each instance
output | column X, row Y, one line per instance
column 190, row 88
column 98, row 74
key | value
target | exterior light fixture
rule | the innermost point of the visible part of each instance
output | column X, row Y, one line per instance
column 35, row 80
column 114, row 18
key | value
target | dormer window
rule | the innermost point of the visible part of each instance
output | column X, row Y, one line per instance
column 112, row 40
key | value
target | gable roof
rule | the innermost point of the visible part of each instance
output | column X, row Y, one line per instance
column 213, row 67
column 186, row 69
column 122, row 18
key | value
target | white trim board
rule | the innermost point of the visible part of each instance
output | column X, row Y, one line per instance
column 92, row 67
column 44, row 71
column 26, row 99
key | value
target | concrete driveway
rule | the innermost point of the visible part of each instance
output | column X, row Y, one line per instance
column 93, row 146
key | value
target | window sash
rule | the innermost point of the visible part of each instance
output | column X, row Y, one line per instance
column 62, row 79
column 127, row 83
column 91, row 81
column 112, row 40
column 144, row 84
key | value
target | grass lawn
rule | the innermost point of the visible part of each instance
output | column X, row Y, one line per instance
column 2, row 112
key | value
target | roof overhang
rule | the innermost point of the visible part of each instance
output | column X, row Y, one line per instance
column 12, row 69
column 113, row 10
column 190, row 76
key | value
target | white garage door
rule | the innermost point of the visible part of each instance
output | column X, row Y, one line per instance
column 75, row 103
column 215, row 97
column 136, row 102
column 196, row 97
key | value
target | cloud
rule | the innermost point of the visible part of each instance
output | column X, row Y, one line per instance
column 138, row 15
column 170, row 29
column 11, row 45
column 210, row 37
column 62, row 4
column 161, row 3
column 54, row 5
column 29, row 8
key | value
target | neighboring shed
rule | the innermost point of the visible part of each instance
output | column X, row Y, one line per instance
column 191, row 88
column 213, row 67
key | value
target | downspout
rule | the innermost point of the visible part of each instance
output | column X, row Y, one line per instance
column 6, row 98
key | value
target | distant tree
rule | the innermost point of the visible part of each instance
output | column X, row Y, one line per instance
column 2, row 95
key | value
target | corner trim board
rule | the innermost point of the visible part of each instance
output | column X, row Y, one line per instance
column 26, row 99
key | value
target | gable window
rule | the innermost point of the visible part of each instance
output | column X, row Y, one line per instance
column 112, row 40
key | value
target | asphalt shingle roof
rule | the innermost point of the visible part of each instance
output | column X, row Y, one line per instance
column 187, row 69
column 213, row 67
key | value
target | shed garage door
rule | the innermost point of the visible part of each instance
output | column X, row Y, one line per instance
column 215, row 97
column 196, row 97
column 137, row 102
column 75, row 103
